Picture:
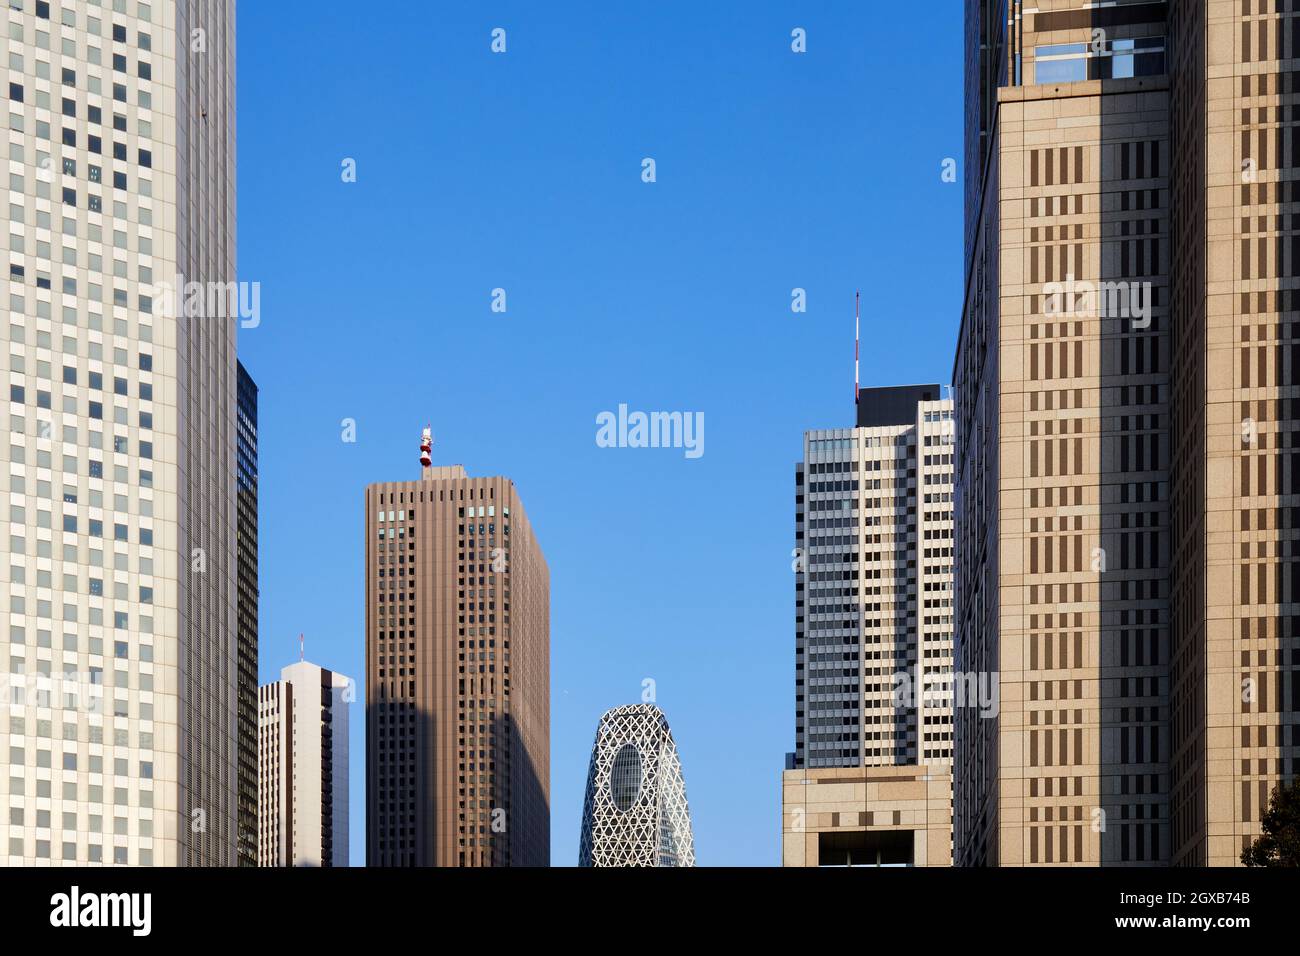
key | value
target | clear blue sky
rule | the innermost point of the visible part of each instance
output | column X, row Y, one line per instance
column 523, row 171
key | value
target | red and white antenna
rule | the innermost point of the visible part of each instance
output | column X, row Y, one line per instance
column 302, row 651
column 426, row 448
column 857, row 331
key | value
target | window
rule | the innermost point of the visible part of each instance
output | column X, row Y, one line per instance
column 119, row 33
column 16, row 92
column 1116, row 59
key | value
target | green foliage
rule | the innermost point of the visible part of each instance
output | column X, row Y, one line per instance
column 1279, row 845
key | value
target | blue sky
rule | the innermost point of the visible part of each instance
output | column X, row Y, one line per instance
column 522, row 171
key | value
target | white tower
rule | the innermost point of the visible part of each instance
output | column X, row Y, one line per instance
column 635, row 812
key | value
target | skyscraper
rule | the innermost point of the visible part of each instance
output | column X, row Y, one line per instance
column 302, row 809
column 457, row 674
column 1235, row 524
column 869, row 780
column 119, row 564
column 246, row 607
column 635, row 811
column 1124, row 542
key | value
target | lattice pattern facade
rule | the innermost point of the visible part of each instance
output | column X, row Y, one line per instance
column 635, row 811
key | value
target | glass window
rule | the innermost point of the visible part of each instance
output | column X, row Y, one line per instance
column 1061, row 71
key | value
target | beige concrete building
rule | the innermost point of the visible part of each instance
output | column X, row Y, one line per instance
column 867, row 816
column 1100, row 453
column 302, row 763
column 119, row 739
column 457, row 675
column 1236, row 356
column 868, row 782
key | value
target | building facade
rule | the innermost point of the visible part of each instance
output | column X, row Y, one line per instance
column 246, row 608
column 1124, row 164
column 457, row 674
column 302, row 792
column 635, row 811
column 873, row 637
column 119, row 565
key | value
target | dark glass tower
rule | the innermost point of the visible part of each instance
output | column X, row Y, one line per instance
column 246, row 610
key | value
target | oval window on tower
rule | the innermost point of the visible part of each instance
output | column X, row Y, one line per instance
column 625, row 777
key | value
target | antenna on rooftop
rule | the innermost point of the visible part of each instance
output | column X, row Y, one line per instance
column 857, row 331
column 426, row 449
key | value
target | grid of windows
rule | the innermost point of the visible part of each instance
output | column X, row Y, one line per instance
column 81, row 576
column 873, row 613
column 444, row 568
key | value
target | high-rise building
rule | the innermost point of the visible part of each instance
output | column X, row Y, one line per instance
column 635, row 811
column 246, row 607
column 302, row 728
column 119, row 563
column 869, row 780
column 457, row 674
column 1125, row 544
